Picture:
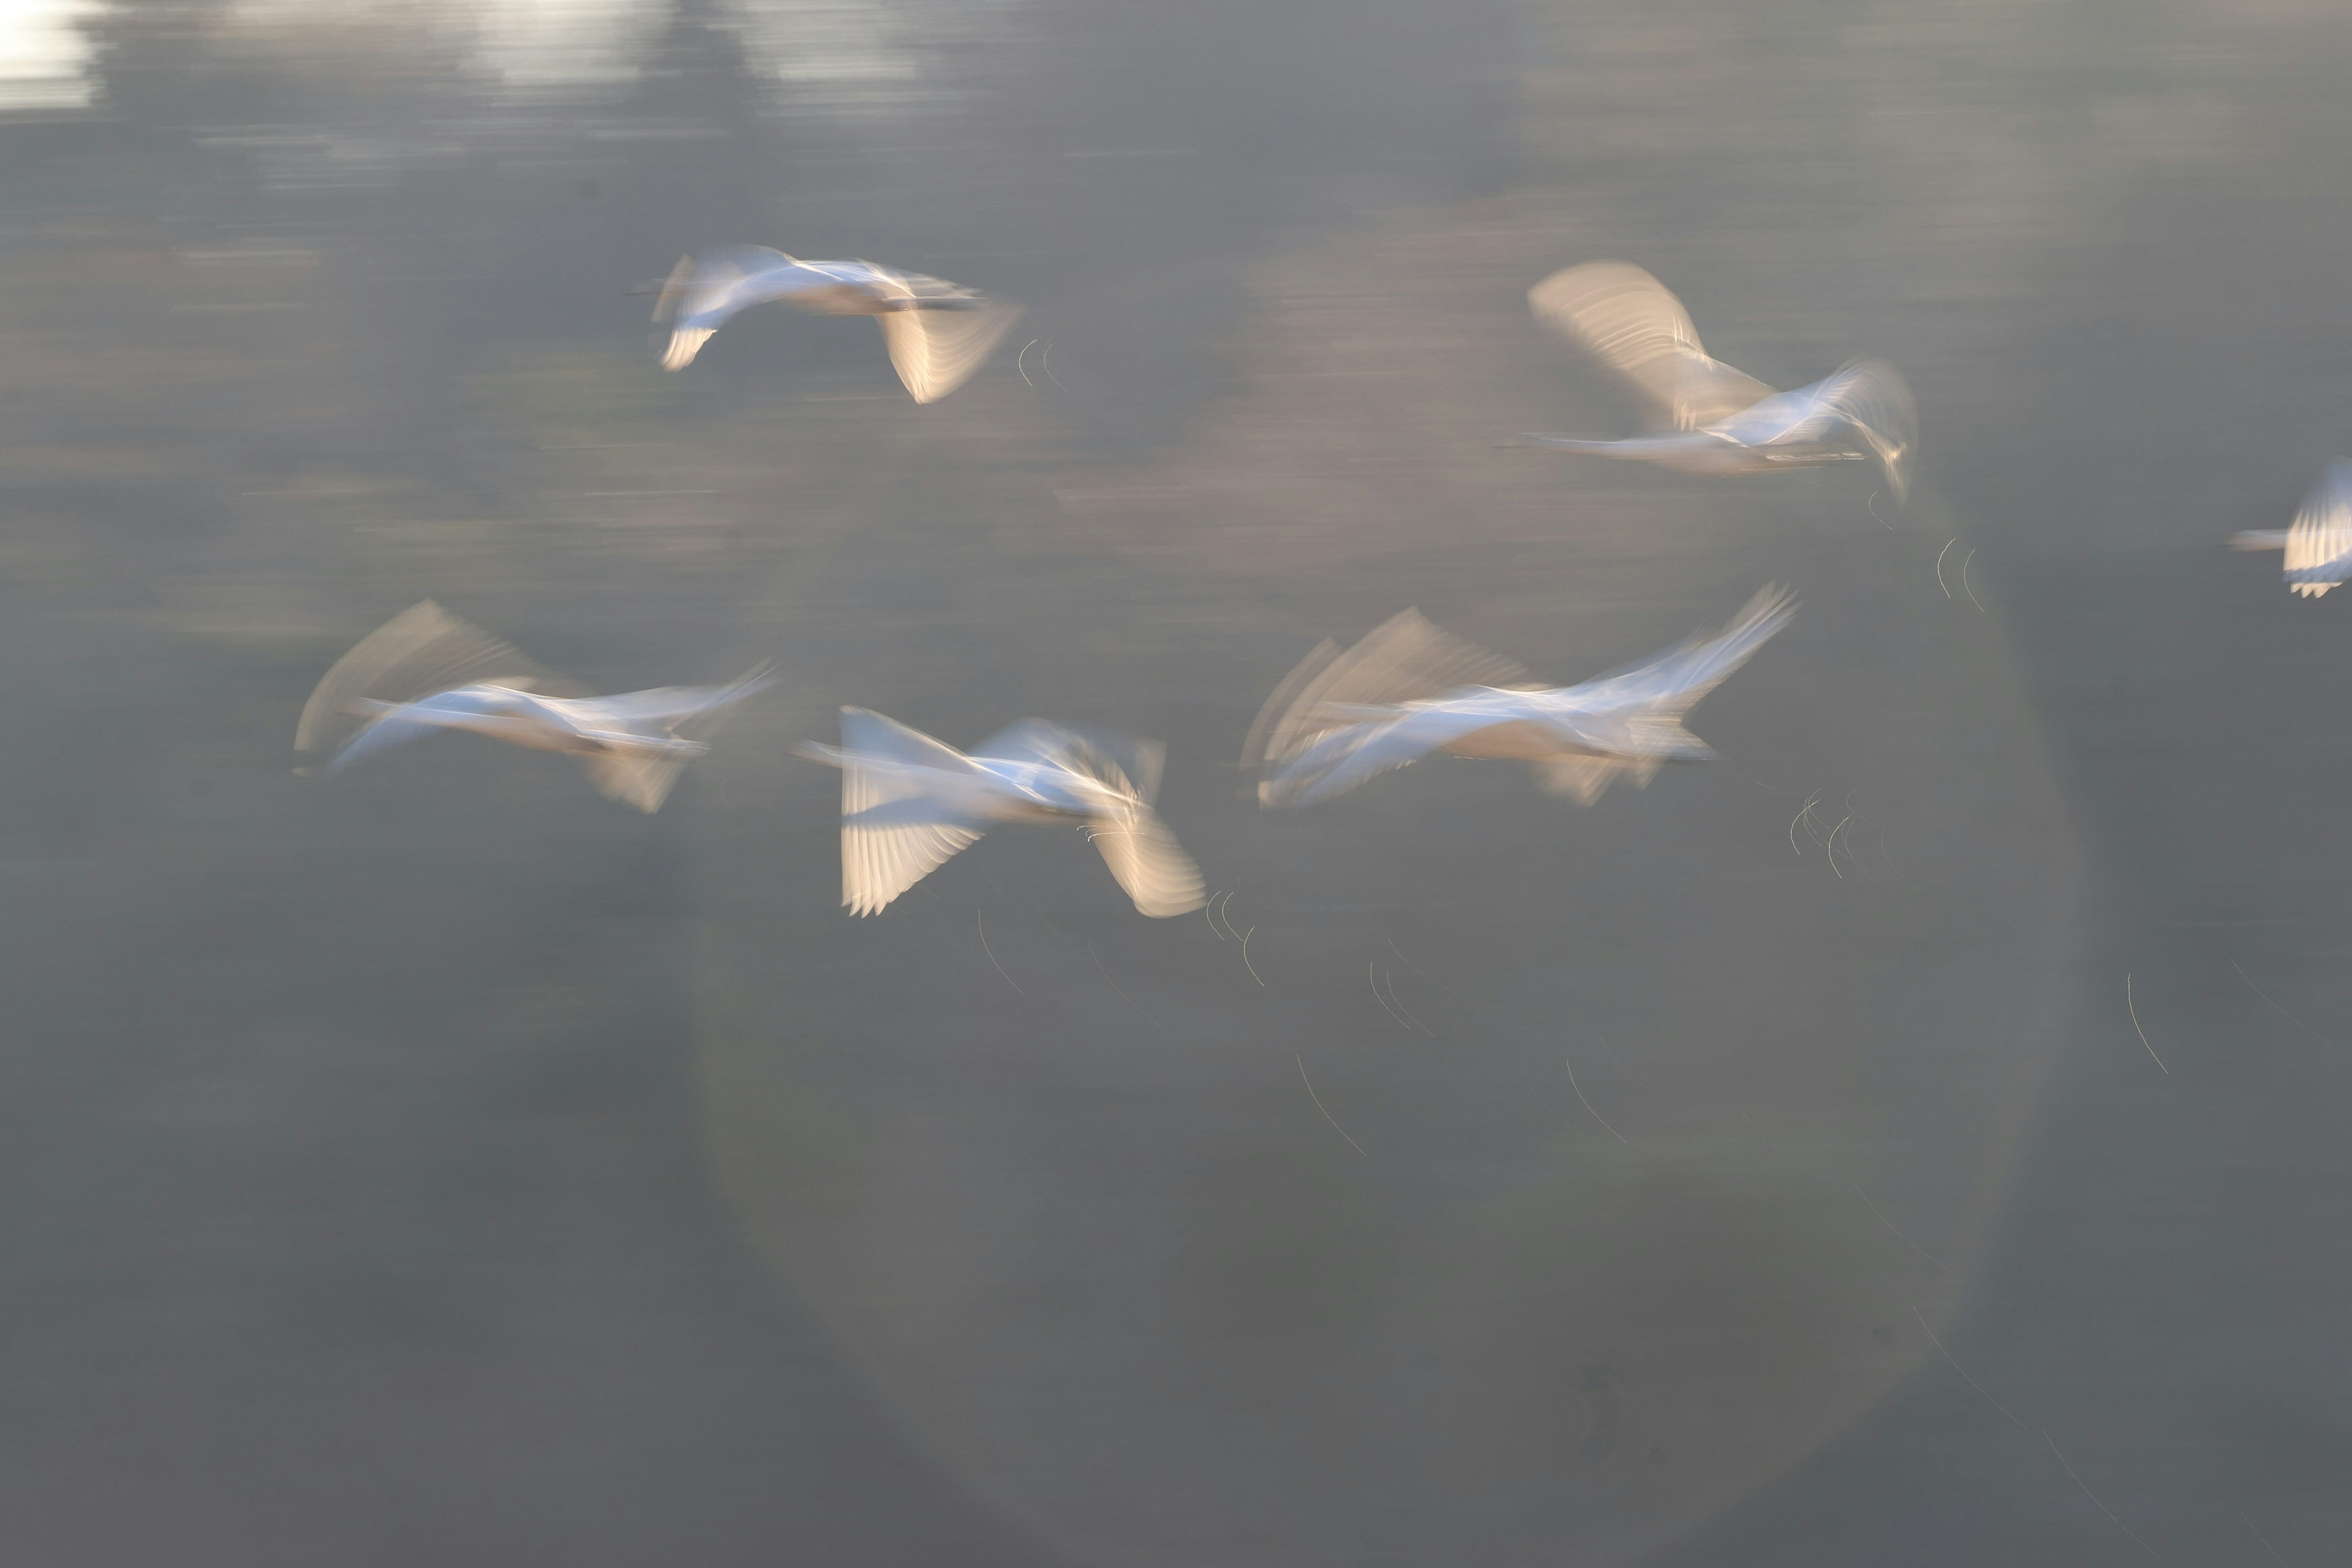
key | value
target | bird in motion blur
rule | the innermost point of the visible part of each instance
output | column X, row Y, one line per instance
column 2318, row 542
column 938, row 332
column 909, row 802
column 1410, row 688
column 425, row 669
column 1707, row 417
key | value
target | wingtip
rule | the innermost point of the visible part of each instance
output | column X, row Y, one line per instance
column 757, row 678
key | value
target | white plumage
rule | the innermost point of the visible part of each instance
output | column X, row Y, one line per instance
column 425, row 669
column 1408, row 689
column 909, row 802
column 2318, row 542
column 938, row 332
column 1708, row 418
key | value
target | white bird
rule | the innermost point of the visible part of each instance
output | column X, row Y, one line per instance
column 938, row 332
column 1709, row 418
column 425, row 669
column 1409, row 690
column 2318, row 542
column 909, row 802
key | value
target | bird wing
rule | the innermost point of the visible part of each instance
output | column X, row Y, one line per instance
column 672, row 707
column 383, row 725
column 706, row 290
column 420, row 652
column 2319, row 541
column 1585, row 779
column 1633, row 323
column 641, row 780
column 1673, row 683
column 1032, row 741
column 941, row 333
column 1145, row 858
column 1136, row 846
column 1404, row 659
column 1345, row 755
column 888, row 744
column 1865, row 397
column 894, row 830
column 1275, row 724
column 689, row 713
column 1127, row 765
column 390, row 731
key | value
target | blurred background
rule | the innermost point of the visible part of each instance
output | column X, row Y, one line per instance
column 1914, row 1138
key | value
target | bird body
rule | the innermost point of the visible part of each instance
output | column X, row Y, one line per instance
column 1342, row 717
column 426, row 671
column 2318, row 543
column 938, row 332
column 909, row 802
column 1712, row 418
column 582, row 727
column 1701, row 452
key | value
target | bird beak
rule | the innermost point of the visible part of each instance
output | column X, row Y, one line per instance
column 654, row 287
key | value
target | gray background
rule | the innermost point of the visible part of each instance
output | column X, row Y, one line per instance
column 444, row 1165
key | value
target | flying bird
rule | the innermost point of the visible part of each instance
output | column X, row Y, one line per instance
column 1705, row 416
column 909, row 802
column 938, row 332
column 425, row 669
column 2318, row 542
column 1410, row 688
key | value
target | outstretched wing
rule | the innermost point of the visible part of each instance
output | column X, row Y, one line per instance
column 1633, row 323
column 894, row 831
column 1345, row 755
column 1404, row 659
column 691, row 712
column 1674, row 682
column 2319, row 541
column 1033, row 741
column 706, row 289
column 940, row 333
column 420, row 652
column 483, row 707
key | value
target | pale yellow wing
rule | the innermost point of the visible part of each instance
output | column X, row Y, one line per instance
column 1145, row 858
column 2319, row 541
column 894, row 831
column 942, row 333
column 1404, row 659
column 1633, row 324
column 423, row 650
